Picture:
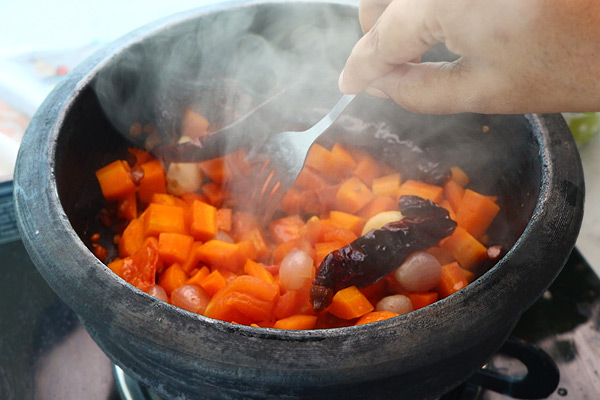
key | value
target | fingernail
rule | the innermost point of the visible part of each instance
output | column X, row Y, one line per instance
column 341, row 80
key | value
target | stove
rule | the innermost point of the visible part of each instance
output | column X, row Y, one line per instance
column 45, row 353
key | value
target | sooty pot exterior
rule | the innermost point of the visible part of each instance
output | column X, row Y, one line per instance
column 530, row 162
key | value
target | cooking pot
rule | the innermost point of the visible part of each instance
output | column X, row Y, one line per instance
column 529, row 161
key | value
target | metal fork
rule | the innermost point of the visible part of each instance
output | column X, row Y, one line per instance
column 281, row 158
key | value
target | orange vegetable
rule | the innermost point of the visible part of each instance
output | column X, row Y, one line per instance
column 454, row 193
column 319, row 158
column 281, row 251
column 367, row 169
column 204, row 221
column 253, row 268
column 379, row 204
column 421, row 189
column 375, row 316
column 215, row 169
column 342, row 163
column 221, row 254
column 347, row 221
column 387, row 185
column 330, row 232
column 115, row 180
column 141, row 156
column 285, row 229
column 422, row 299
column 160, row 218
column 153, row 181
column 140, row 269
column 311, row 179
column 174, row 247
column 322, row 249
column 214, row 193
column 193, row 124
column 467, row 250
column 452, row 279
column 193, row 259
column 198, row 276
column 132, row 238
column 350, row 303
column 293, row 302
column 224, row 219
column 353, row 195
column 476, row 212
column 213, row 282
column 459, row 176
column 172, row 277
column 298, row 321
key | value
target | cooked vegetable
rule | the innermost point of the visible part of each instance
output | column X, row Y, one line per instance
column 356, row 240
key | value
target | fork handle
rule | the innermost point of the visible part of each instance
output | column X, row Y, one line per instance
column 332, row 115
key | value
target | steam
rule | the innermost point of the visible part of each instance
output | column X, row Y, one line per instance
column 223, row 64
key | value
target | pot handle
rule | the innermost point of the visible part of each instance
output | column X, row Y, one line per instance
column 540, row 381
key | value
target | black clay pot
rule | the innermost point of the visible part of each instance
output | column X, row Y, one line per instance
column 530, row 162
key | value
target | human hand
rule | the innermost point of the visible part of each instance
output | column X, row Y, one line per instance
column 515, row 56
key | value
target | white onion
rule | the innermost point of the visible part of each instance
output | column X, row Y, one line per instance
column 419, row 273
column 296, row 270
column 190, row 297
column 398, row 303
column 183, row 178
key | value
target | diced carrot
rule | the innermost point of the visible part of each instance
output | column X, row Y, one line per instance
column 467, row 250
column 311, row 179
column 452, row 279
column 174, row 247
column 140, row 269
column 153, row 181
column 322, row 249
column 319, row 158
column 298, row 321
column 476, row 212
column 422, row 299
column 375, row 316
column 198, row 276
column 454, row 193
column 253, row 268
column 353, row 195
column 193, row 259
column 367, row 169
column 387, row 185
column 347, row 221
column 215, row 169
column 421, row 189
column 256, row 237
column 331, row 232
column 349, row 303
column 204, row 221
column 193, row 125
column 444, row 256
column 115, row 180
column 213, row 282
column 221, row 254
column 312, row 230
column 132, row 238
column 214, row 193
column 224, row 219
column 127, row 207
column 243, row 222
column 342, row 163
column 190, row 197
column 446, row 204
column 160, row 218
column 168, row 199
column 459, row 176
column 172, row 278
column 297, row 201
column 379, row 204
column 286, row 228
column 470, row 275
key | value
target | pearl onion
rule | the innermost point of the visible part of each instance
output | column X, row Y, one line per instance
column 419, row 273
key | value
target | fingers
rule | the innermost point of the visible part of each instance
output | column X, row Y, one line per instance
column 369, row 11
column 398, row 36
column 445, row 88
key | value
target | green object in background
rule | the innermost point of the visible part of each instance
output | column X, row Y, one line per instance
column 583, row 126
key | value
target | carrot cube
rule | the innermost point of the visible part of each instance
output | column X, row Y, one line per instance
column 387, row 185
column 153, row 181
column 347, row 221
column 476, row 212
column 213, row 282
column 421, row 189
column 132, row 238
column 350, row 303
column 452, row 279
column 160, row 218
column 204, row 220
column 172, row 278
column 174, row 247
column 115, row 180
column 298, row 321
column 467, row 250
column 422, row 299
column 352, row 195
column 367, row 169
